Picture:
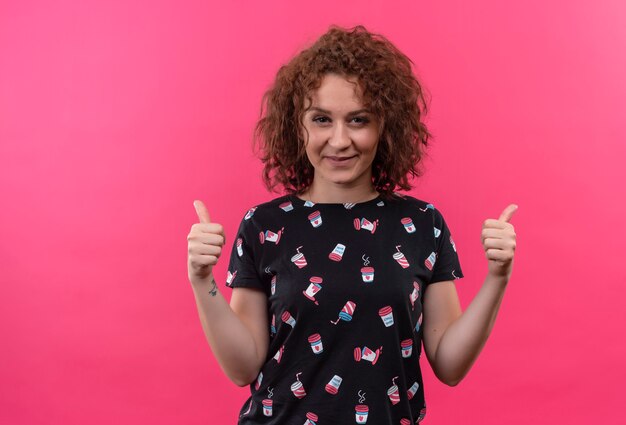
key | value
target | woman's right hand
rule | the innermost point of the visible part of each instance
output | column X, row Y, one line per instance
column 205, row 242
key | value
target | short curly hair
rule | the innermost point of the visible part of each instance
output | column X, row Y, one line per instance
column 390, row 90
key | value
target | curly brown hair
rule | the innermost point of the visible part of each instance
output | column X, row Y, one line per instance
column 390, row 90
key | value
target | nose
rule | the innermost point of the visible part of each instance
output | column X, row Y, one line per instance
column 340, row 138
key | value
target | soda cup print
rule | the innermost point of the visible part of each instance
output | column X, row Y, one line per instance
column 230, row 277
column 273, row 287
column 400, row 258
column 311, row 419
column 315, row 218
column 314, row 288
column 407, row 348
column 411, row 391
column 367, row 354
column 337, row 253
column 367, row 274
column 348, row 205
column 250, row 213
column 437, row 232
column 430, row 261
column 316, row 343
column 346, row 312
column 288, row 319
column 361, row 411
column 299, row 260
column 279, row 354
column 452, row 243
column 393, row 393
column 239, row 247
column 259, row 379
column 386, row 314
column 333, row 385
column 408, row 225
column 267, row 407
column 286, row 206
column 308, row 204
column 297, row 388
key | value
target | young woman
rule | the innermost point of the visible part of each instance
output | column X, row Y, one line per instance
column 337, row 283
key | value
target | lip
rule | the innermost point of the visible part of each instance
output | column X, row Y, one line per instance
column 339, row 160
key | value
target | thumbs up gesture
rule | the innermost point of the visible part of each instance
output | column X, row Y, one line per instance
column 205, row 242
column 498, row 239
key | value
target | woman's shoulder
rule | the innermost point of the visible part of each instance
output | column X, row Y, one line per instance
column 268, row 208
column 408, row 201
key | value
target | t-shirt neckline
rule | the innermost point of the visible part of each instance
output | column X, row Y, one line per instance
column 347, row 205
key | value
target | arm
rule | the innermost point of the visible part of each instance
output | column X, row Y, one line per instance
column 453, row 340
column 237, row 333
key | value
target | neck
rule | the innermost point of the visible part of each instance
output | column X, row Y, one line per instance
column 338, row 194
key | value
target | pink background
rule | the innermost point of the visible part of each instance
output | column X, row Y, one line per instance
column 115, row 117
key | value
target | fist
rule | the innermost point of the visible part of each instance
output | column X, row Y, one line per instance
column 205, row 242
column 498, row 240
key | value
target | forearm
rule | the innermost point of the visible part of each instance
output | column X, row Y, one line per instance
column 464, row 338
column 230, row 341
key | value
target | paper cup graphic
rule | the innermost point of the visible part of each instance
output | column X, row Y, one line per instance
column 452, row 243
column 308, row 204
column 230, row 277
column 411, row 391
column 408, row 225
column 315, row 218
column 437, row 232
column 361, row 412
column 267, row 407
column 279, row 354
column 333, row 386
column 298, row 389
column 430, row 261
column 299, row 260
column 316, row 343
column 346, row 312
column 250, row 213
column 367, row 354
column 337, row 253
column 311, row 419
column 368, row 225
column 286, row 206
column 419, row 323
column 428, row 207
column 407, row 348
column 273, row 285
column 386, row 314
column 239, row 247
column 288, row 319
column 393, row 393
column 367, row 274
column 401, row 259
column 314, row 288
column 259, row 379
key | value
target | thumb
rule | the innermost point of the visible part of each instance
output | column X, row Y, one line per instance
column 508, row 213
column 203, row 213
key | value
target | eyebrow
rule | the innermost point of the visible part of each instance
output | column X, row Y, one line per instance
column 324, row 111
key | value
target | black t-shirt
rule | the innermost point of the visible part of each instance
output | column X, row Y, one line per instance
column 344, row 284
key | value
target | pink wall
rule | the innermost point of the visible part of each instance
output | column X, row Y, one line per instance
column 115, row 117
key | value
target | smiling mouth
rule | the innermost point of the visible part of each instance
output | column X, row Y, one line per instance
column 340, row 158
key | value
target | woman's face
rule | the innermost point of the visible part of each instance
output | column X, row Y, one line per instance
column 343, row 137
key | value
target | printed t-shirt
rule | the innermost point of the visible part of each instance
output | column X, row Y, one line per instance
column 344, row 284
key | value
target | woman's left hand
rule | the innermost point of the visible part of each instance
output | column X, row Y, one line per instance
column 498, row 239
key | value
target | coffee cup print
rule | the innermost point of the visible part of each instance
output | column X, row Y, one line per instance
column 414, row 295
column 250, row 213
column 273, row 286
column 333, row 385
column 393, row 393
column 315, row 218
column 239, row 247
column 259, row 379
column 279, row 354
column 386, row 314
column 430, row 261
column 367, row 274
column 299, row 260
column 346, row 312
column 267, row 407
column 361, row 411
column 314, row 287
column 308, row 203
column 437, row 232
column 311, row 419
column 407, row 348
column 286, row 206
column 400, row 258
column 297, row 388
column 288, row 319
column 408, row 225
column 428, row 207
column 337, row 253
column 367, row 354
column 316, row 343
column 230, row 277
column 270, row 236
column 411, row 391
column 365, row 224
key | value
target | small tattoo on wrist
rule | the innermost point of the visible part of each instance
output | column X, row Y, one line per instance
column 213, row 290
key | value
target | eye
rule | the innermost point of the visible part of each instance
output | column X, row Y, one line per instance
column 360, row 120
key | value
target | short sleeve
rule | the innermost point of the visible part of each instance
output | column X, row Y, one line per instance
column 242, row 268
column 447, row 265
